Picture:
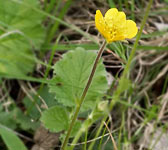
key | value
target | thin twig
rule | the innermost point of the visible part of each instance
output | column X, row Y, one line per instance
column 112, row 139
column 28, row 95
column 95, row 139
column 42, row 100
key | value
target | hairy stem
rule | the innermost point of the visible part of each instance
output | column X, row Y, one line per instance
column 83, row 94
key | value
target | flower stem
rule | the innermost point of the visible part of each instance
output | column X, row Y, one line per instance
column 83, row 94
column 117, row 93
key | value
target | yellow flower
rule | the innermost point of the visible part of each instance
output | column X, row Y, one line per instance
column 114, row 25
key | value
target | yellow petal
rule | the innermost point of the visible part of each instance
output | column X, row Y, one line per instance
column 100, row 24
column 121, row 16
column 116, row 22
column 119, row 38
column 111, row 14
column 99, row 21
column 120, row 23
column 121, row 19
column 131, row 29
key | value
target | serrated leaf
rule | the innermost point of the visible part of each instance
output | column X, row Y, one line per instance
column 11, row 140
column 20, row 32
column 55, row 119
column 71, row 75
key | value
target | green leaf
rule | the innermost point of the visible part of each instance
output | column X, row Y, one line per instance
column 24, row 121
column 16, row 117
column 106, row 143
column 119, row 49
column 76, row 128
column 100, row 110
column 16, row 57
column 71, row 75
column 20, row 32
column 11, row 140
column 74, row 131
column 125, row 84
column 6, row 118
column 24, row 19
column 55, row 119
column 45, row 95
